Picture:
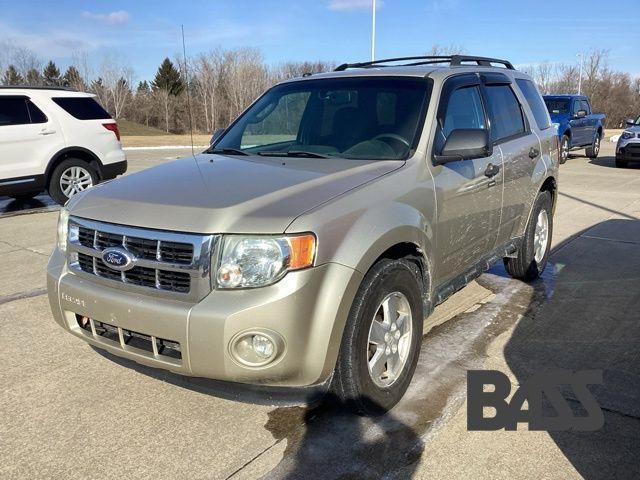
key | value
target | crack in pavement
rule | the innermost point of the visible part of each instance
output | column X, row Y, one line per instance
column 20, row 247
column 22, row 295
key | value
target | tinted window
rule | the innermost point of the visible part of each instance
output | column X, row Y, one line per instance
column 504, row 111
column 534, row 99
column 13, row 111
column 36, row 115
column 557, row 106
column 82, row 108
column 370, row 118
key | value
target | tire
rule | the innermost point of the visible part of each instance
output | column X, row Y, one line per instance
column 526, row 266
column 66, row 167
column 353, row 384
column 621, row 163
column 593, row 150
column 564, row 149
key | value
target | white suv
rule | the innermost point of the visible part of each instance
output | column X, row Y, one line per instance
column 56, row 140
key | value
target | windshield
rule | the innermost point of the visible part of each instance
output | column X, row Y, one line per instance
column 359, row 118
column 557, row 105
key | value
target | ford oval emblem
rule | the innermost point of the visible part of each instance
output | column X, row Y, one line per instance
column 118, row 259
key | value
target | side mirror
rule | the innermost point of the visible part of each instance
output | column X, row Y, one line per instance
column 216, row 135
column 630, row 122
column 465, row 144
column 581, row 113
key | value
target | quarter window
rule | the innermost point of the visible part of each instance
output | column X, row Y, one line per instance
column 36, row 115
column 534, row 99
column 82, row 108
column 505, row 112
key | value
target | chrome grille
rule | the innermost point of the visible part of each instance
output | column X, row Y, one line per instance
column 166, row 263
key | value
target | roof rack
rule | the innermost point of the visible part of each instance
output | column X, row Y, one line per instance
column 27, row 87
column 453, row 60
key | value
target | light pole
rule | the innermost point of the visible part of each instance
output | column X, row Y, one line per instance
column 581, row 56
column 373, row 31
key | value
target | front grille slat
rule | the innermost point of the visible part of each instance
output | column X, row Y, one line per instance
column 166, row 265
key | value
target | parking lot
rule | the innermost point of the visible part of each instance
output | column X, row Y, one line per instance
column 69, row 411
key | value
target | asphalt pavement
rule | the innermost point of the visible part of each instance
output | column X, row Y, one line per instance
column 69, row 411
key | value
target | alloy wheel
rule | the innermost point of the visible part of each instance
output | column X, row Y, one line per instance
column 75, row 180
column 389, row 340
column 541, row 236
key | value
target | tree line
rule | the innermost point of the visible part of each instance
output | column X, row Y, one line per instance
column 217, row 86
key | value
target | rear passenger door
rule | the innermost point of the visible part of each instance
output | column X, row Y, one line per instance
column 468, row 200
column 511, row 134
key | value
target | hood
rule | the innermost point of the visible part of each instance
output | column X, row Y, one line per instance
column 224, row 194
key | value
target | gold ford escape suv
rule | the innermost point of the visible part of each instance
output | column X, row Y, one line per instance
column 308, row 245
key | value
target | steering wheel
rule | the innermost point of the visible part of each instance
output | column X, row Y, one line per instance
column 393, row 136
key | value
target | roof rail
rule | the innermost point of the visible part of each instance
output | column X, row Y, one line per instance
column 453, row 60
column 27, row 87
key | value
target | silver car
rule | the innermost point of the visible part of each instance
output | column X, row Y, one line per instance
column 628, row 147
column 308, row 246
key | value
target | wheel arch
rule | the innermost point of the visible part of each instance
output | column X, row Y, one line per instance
column 80, row 153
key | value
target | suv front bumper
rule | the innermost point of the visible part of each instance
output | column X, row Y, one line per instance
column 307, row 310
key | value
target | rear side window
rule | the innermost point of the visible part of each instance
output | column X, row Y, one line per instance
column 534, row 99
column 504, row 112
column 13, row 111
column 82, row 108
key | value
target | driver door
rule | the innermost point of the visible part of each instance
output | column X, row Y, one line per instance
column 469, row 200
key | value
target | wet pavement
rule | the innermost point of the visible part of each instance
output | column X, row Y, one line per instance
column 141, row 423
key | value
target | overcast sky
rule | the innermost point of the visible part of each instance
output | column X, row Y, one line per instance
column 144, row 32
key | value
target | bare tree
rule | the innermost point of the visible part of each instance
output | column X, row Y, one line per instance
column 117, row 78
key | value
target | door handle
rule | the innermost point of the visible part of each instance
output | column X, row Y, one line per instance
column 533, row 153
column 492, row 170
column 47, row 132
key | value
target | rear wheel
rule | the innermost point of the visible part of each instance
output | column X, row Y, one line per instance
column 564, row 149
column 536, row 244
column 381, row 341
column 70, row 177
column 594, row 149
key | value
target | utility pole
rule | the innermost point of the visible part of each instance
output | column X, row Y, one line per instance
column 373, row 31
column 581, row 56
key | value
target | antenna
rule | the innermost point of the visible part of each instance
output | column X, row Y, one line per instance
column 186, row 75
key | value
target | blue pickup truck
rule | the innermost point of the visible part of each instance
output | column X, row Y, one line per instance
column 578, row 127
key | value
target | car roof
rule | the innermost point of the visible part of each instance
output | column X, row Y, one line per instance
column 416, row 71
column 42, row 91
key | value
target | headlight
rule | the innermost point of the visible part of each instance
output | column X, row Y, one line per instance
column 63, row 229
column 252, row 261
column 628, row 135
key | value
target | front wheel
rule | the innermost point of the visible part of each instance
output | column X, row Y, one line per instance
column 70, row 177
column 381, row 341
column 594, row 149
column 536, row 244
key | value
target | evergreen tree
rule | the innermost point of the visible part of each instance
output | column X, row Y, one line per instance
column 168, row 78
column 33, row 78
column 73, row 79
column 143, row 88
column 51, row 75
column 12, row 77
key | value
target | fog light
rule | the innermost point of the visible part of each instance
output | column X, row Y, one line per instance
column 263, row 346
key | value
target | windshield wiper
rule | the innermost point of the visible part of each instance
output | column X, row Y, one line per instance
column 228, row 151
column 292, row 153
